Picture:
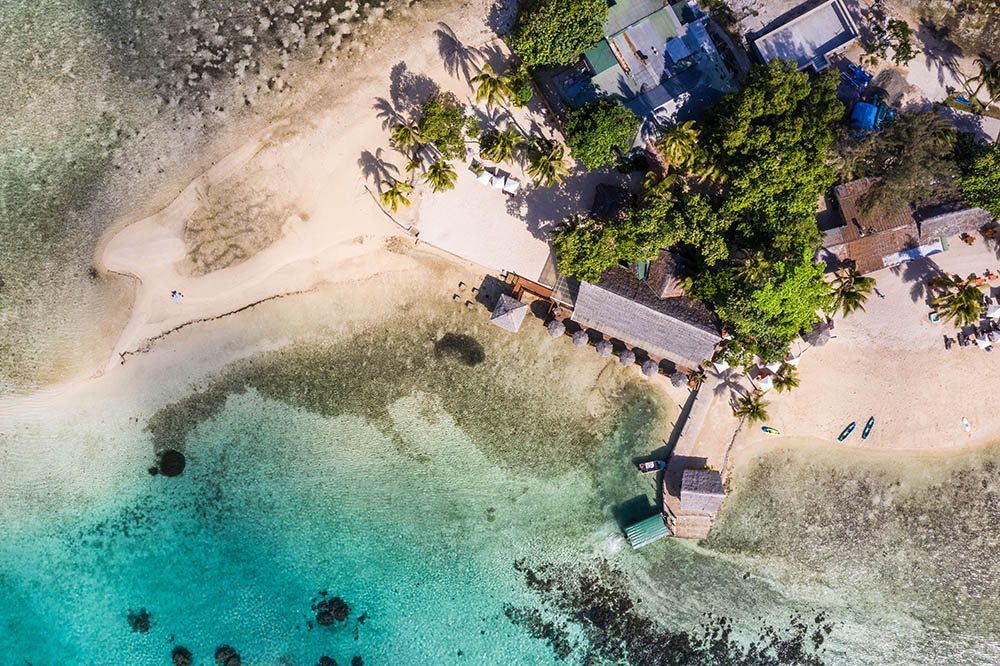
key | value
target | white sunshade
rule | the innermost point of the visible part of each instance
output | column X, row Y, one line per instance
column 766, row 383
column 773, row 367
column 498, row 182
column 793, row 360
column 993, row 312
column 484, row 177
column 510, row 187
column 720, row 365
column 982, row 342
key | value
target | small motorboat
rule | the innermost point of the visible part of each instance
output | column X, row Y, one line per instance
column 651, row 466
column 868, row 428
column 770, row 431
column 847, row 431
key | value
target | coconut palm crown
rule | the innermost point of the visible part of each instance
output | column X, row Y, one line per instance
column 751, row 407
column 851, row 290
column 491, row 88
column 441, row 176
column 546, row 163
column 961, row 302
column 395, row 195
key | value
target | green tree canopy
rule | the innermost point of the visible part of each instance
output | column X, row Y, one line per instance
column 557, row 32
column 595, row 128
column 445, row 125
column 691, row 221
column 912, row 157
column 981, row 186
column 584, row 248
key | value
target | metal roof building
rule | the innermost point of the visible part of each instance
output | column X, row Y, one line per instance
column 809, row 37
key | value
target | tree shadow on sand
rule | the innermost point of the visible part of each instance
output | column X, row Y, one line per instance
column 386, row 113
column 375, row 168
column 459, row 59
column 920, row 272
column 408, row 91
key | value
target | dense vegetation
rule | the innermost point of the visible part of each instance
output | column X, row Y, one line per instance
column 595, row 129
column 445, row 124
column 895, row 37
column 556, row 32
column 973, row 26
column 981, row 184
column 752, row 232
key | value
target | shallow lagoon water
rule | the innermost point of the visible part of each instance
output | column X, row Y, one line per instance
column 454, row 518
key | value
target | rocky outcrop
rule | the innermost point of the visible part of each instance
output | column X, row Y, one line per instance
column 171, row 463
column 139, row 621
column 227, row 656
column 181, row 656
column 332, row 610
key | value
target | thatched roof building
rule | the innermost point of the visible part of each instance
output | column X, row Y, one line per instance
column 969, row 220
column 701, row 490
column 679, row 329
column 509, row 313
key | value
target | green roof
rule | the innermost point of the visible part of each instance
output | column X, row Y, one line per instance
column 664, row 22
column 624, row 13
column 600, row 58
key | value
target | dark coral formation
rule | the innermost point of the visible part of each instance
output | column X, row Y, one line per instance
column 332, row 610
column 139, row 621
column 357, row 661
column 463, row 347
column 227, row 656
column 595, row 598
column 172, row 463
column 181, row 656
column 327, row 661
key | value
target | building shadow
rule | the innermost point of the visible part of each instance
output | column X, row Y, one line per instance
column 632, row 511
column 490, row 290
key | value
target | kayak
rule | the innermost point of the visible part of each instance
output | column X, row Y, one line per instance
column 868, row 428
column 965, row 424
column 770, row 431
column 651, row 466
column 847, row 431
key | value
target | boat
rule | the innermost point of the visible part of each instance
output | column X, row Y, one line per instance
column 847, row 431
column 868, row 428
column 965, row 424
column 770, row 431
column 651, row 466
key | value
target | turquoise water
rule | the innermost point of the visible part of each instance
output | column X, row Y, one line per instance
column 422, row 478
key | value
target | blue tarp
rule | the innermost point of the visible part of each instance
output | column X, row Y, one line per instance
column 863, row 116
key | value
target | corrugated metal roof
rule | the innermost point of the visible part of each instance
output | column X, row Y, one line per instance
column 600, row 58
column 626, row 12
column 620, row 305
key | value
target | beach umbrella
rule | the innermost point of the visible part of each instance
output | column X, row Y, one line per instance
column 982, row 341
column 650, row 368
column 993, row 312
column 819, row 339
column 580, row 338
column 627, row 357
column 793, row 360
column 766, row 383
column 773, row 367
column 604, row 348
column 556, row 328
column 678, row 379
column 721, row 365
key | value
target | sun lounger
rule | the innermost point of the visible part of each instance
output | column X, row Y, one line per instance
column 982, row 342
column 498, row 182
column 510, row 187
column 484, row 177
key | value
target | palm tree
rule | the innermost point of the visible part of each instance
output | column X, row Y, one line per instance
column 412, row 166
column 705, row 168
column 755, row 269
column 751, row 407
column 679, row 144
column 658, row 188
column 989, row 76
column 395, row 195
column 961, row 300
column 546, row 163
column 490, row 87
column 786, row 379
column 502, row 146
column 405, row 135
column 440, row 176
column 851, row 290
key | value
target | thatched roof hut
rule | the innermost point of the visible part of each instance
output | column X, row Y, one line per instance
column 604, row 348
column 580, row 338
column 555, row 328
column 678, row 379
column 509, row 313
column 701, row 490
column 650, row 367
column 627, row 357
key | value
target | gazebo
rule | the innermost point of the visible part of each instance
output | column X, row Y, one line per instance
column 509, row 313
column 701, row 490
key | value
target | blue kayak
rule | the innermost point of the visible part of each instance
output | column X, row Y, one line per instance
column 847, row 431
column 868, row 428
column 770, row 431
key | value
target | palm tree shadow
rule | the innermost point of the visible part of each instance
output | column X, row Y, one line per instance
column 408, row 91
column 920, row 272
column 459, row 59
column 386, row 112
column 375, row 168
column 730, row 380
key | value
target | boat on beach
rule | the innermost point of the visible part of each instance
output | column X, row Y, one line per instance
column 770, row 431
column 847, row 431
column 651, row 466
